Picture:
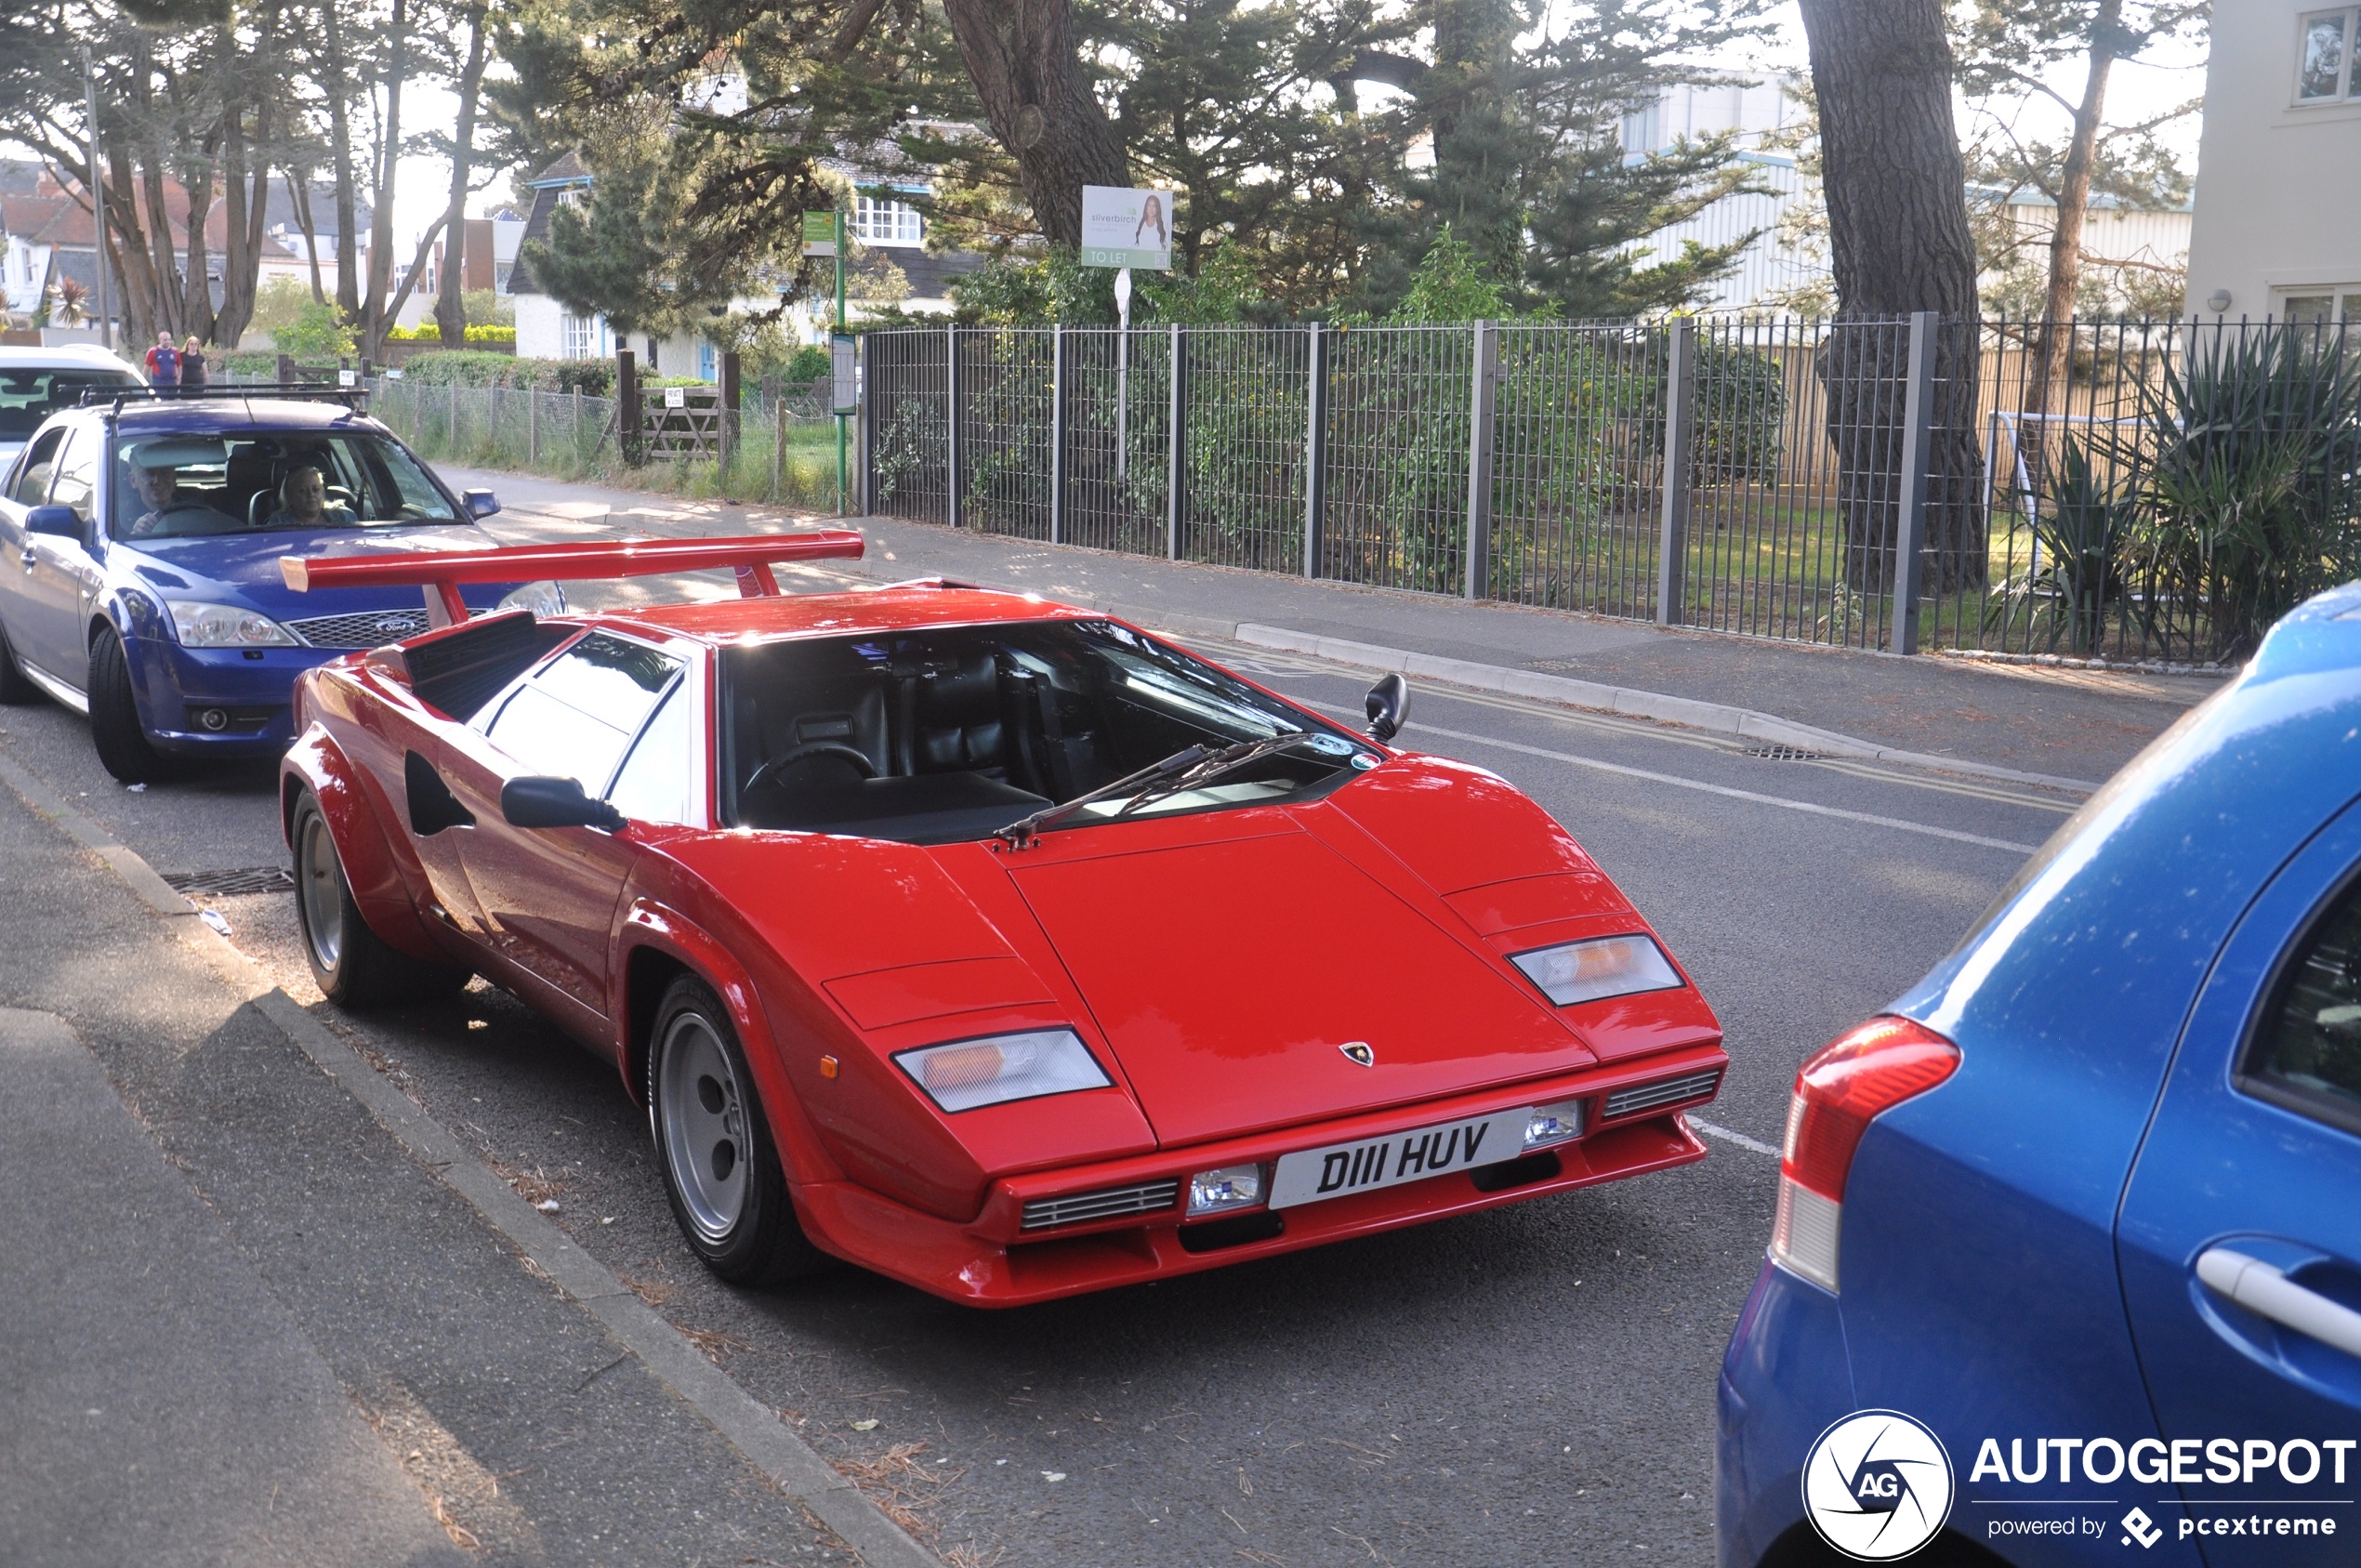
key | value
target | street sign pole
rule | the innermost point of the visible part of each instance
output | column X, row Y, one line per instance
column 843, row 474
column 1122, row 372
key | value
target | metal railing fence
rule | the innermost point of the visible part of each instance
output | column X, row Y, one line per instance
column 2162, row 492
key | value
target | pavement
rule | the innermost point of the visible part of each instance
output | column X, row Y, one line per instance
column 2040, row 720
column 246, row 1325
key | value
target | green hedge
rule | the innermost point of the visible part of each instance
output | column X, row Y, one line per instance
column 428, row 332
column 445, row 367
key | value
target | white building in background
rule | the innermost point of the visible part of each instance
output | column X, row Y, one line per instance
column 2279, row 227
column 1785, row 260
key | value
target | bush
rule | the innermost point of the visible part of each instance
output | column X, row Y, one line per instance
column 484, row 306
column 316, row 330
column 427, row 331
column 445, row 367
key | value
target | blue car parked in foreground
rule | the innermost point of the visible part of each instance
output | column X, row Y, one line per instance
column 140, row 545
column 2068, row 1261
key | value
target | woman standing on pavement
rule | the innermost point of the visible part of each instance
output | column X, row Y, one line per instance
column 192, row 367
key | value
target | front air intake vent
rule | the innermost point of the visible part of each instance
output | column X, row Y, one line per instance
column 1664, row 1091
column 1042, row 1213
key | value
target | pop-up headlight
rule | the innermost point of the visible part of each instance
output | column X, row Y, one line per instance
column 1586, row 971
column 972, row 1072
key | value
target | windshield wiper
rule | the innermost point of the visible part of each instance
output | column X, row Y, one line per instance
column 1184, row 769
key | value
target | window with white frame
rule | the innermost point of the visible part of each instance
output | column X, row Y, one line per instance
column 881, row 222
column 2323, row 71
column 577, row 339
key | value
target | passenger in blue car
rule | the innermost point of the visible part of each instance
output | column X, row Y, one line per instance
column 303, row 503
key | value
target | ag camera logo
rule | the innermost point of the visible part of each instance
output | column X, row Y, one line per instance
column 1877, row 1485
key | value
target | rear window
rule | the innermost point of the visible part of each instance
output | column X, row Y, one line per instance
column 29, row 395
column 2308, row 1048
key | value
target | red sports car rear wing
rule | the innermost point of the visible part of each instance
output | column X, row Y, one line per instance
column 441, row 572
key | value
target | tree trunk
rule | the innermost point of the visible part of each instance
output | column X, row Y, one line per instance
column 1020, row 55
column 374, row 317
column 450, row 309
column 339, row 94
column 1898, row 241
column 2074, row 206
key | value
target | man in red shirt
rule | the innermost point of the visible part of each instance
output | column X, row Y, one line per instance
column 163, row 363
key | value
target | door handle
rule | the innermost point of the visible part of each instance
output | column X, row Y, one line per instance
column 30, row 558
column 2266, row 1291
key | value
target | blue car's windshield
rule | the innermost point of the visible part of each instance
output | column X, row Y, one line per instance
column 178, row 486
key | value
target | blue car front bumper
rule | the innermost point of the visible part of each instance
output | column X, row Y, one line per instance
column 219, row 702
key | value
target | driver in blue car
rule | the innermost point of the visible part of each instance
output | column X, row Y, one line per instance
column 159, row 488
column 303, row 503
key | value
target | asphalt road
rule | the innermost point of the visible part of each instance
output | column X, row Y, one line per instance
column 1530, row 1385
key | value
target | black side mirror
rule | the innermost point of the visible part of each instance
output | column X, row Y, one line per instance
column 1387, row 707
column 54, row 519
column 549, row 802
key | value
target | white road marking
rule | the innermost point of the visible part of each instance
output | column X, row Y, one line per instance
column 1678, row 783
column 1741, row 1140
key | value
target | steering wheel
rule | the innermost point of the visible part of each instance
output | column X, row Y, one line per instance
column 837, row 749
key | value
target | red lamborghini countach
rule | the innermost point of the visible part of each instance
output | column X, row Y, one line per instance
column 995, row 945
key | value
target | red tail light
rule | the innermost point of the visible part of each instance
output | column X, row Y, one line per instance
column 1839, row 1090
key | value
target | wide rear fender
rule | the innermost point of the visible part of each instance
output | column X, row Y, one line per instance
column 315, row 762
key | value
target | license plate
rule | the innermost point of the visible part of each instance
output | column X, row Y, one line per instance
column 1310, row 1176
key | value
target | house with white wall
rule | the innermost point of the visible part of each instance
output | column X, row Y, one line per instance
column 2278, row 229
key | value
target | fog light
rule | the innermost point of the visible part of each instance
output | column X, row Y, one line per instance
column 214, row 718
column 1554, row 1124
column 1217, row 1192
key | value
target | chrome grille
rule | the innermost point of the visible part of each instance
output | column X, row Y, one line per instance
column 1042, row 1213
column 371, row 628
column 1664, row 1091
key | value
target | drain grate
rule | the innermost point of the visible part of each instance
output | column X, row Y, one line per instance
column 230, row 883
column 1783, row 754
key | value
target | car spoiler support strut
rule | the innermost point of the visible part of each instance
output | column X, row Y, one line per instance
column 441, row 572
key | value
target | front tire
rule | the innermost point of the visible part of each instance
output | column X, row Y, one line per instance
column 115, row 715
column 352, row 965
column 16, row 689
column 721, row 1171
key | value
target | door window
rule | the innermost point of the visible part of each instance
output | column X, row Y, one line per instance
column 573, row 719
column 77, row 479
column 656, row 782
column 33, row 480
column 2306, row 1055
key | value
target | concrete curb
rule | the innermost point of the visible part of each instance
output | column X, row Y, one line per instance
column 751, row 1426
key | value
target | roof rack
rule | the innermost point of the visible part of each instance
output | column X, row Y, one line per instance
column 350, row 396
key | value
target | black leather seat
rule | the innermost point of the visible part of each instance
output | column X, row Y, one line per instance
column 958, row 723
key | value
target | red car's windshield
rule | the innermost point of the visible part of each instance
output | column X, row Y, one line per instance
column 949, row 734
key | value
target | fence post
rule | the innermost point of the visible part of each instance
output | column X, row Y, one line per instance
column 864, row 426
column 533, row 428
column 726, row 436
column 1057, row 435
column 1315, row 419
column 1484, row 372
column 1176, row 440
column 627, row 408
column 451, row 449
column 778, row 442
column 1918, row 440
column 1679, row 426
column 951, row 426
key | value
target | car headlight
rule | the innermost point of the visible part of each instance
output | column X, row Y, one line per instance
column 1217, row 1192
column 542, row 599
column 1585, row 971
column 967, row 1074
column 226, row 625
column 1554, row 1124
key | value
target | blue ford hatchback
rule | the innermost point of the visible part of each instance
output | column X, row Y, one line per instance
column 143, row 539
column 2084, row 1209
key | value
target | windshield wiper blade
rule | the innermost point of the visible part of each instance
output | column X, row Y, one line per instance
column 1228, row 759
column 1021, row 832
